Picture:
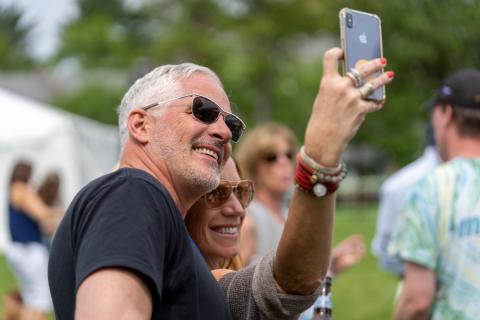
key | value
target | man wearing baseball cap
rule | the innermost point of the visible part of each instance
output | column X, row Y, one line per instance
column 438, row 233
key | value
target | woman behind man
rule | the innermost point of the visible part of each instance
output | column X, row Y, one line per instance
column 214, row 223
column 215, row 220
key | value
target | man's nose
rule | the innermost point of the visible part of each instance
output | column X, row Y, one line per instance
column 220, row 130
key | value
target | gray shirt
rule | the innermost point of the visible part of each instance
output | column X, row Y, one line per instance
column 253, row 294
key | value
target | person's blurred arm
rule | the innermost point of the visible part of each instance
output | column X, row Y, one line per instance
column 23, row 197
column 303, row 254
column 391, row 203
column 417, row 294
column 347, row 253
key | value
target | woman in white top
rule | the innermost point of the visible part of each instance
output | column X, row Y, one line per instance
column 266, row 156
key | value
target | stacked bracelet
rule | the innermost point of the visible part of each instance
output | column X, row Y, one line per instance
column 314, row 178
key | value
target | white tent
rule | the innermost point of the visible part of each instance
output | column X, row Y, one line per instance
column 77, row 148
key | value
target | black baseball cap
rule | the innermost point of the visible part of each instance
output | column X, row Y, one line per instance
column 461, row 89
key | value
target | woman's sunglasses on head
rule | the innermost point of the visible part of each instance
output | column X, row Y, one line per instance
column 207, row 111
column 243, row 191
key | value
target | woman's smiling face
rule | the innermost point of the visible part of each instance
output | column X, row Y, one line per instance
column 216, row 231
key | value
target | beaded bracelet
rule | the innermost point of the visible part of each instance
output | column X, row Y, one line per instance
column 318, row 180
column 315, row 165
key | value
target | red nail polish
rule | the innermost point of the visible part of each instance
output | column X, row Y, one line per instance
column 390, row 74
column 383, row 61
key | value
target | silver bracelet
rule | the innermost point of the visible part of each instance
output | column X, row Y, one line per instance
column 318, row 167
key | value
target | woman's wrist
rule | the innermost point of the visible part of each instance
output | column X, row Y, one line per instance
column 325, row 156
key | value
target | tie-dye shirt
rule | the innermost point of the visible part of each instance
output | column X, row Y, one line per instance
column 440, row 230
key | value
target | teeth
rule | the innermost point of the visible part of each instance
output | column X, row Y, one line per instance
column 228, row 230
column 207, row 152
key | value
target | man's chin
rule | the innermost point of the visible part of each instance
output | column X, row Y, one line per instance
column 207, row 180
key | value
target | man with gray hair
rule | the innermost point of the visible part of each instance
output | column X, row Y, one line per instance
column 122, row 250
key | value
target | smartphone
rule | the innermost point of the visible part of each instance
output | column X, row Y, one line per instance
column 361, row 37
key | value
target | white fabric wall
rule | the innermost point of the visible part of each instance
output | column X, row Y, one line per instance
column 77, row 148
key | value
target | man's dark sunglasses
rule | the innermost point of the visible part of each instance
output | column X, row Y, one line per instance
column 207, row 111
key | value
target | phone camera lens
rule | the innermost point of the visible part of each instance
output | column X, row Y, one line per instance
column 349, row 20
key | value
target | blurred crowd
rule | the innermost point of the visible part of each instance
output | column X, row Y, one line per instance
column 256, row 214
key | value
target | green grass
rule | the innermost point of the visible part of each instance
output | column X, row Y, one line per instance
column 363, row 292
column 7, row 282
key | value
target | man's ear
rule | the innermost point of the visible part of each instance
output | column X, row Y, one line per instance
column 138, row 124
column 449, row 115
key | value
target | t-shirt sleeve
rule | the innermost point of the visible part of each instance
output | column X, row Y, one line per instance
column 123, row 226
column 414, row 238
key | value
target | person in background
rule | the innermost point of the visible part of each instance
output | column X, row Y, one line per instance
column 122, row 249
column 267, row 156
column 49, row 190
column 437, row 234
column 29, row 220
column 393, row 198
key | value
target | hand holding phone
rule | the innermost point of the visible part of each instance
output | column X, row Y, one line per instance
column 361, row 38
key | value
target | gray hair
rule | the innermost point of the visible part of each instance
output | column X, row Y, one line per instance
column 162, row 83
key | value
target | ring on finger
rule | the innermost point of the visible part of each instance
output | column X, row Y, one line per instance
column 356, row 75
column 366, row 90
column 352, row 77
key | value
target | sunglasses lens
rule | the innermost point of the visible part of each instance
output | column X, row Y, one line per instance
column 235, row 125
column 290, row 155
column 219, row 196
column 244, row 193
column 205, row 110
column 271, row 157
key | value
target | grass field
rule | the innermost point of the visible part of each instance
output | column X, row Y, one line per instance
column 362, row 293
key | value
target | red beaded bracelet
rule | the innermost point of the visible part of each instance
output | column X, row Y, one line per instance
column 319, row 182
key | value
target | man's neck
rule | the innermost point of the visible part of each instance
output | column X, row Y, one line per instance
column 466, row 147
column 135, row 157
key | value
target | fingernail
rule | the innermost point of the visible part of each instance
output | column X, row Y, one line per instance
column 383, row 61
column 390, row 74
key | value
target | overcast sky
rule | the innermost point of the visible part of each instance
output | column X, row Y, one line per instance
column 47, row 15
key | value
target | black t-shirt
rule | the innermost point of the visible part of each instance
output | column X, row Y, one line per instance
column 127, row 219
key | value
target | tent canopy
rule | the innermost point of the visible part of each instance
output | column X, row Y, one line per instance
column 77, row 148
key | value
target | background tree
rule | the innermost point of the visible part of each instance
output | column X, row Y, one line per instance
column 268, row 52
column 106, row 34
column 13, row 39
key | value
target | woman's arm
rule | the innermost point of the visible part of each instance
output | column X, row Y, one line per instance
column 303, row 254
column 26, row 199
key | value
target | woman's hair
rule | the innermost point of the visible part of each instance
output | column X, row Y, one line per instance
column 21, row 172
column 48, row 190
column 260, row 141
column 234, row 263
column 162, row 83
